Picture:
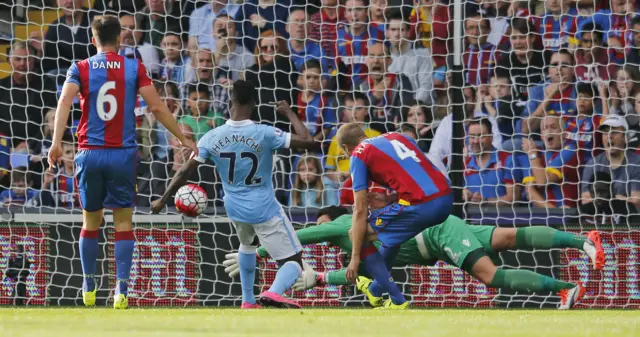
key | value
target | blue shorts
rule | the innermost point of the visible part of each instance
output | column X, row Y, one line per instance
column 397, row 223
column 106, row 178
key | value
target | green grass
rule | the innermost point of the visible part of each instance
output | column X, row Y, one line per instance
column 318, row 322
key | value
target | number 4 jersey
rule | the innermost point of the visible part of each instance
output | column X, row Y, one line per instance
column 242, row 152
column 395, row 161
column 109, row 86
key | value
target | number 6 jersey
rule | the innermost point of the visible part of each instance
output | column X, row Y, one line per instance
column 395, row 161
column 243, row 154
column 109, row 86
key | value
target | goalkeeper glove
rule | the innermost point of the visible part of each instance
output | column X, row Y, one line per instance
column 231, row 265
column 309, row 278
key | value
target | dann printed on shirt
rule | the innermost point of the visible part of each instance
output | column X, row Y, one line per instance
column 106, row 65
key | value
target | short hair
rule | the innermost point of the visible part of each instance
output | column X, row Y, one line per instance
column 67, row 139
column 243, row 92
column 17, row 45
column 311, row 64
column 592, row 28
column 20, row 173
column 522, row 25
column 354, row 96
column 499, row 76
column 106, row 29
column 482, row 121
column 350, row 134
column 397, row 14
column 200, row 87
column 179, row 36
column 297, row 9
column 163, row 87
column 588, row 89
column 635, row 20
column 333, row 212
column 386, row 48
column 565, row 52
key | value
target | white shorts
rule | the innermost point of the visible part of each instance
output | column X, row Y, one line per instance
column 276, row 235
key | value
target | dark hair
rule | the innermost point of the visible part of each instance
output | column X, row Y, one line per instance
column 502, row 77
column 481, row 121
column 406, row 127
column 106, row 29
column 201, row 87
column 357, row 95
column 20, row 173
column 179, row 36
column 67, row 138
column 243, row 92
column 523, row 26
column 588, row 89
column 333, row 212
column 566, row 52
column 592, row 28
column 396, row 14
column 635, row 20
column 311, row 64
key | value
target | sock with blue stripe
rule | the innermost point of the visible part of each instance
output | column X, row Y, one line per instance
column 247, row 264
column 286, row 277
column 88, row 257
column 125, row 243
column 376, row 267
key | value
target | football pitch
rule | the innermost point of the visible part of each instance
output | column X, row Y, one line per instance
column 316, row 322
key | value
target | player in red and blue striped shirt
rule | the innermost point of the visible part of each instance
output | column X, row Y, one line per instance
column 106, row 163
column 424, row 200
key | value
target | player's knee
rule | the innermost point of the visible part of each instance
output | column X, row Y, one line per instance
column 484, row 270
column 297, row 258
column 503, row 239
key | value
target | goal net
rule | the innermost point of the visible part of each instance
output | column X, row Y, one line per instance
column 548, row 93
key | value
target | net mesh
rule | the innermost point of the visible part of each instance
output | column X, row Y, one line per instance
column 541, row 79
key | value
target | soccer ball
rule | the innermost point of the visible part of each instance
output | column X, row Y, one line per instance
column 191, row 200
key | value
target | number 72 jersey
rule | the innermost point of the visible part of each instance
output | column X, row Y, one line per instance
column 395, row 161
column 109, row 85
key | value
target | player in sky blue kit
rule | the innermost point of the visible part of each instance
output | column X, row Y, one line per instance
column 424, row 199
column 242, row 152
column 106, row 161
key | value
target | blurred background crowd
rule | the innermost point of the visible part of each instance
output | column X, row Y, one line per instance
column 551, row 91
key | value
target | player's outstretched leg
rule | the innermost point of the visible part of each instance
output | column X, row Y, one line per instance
column 542, row 237
column 376, row 267
column 526, row 281
column 89, row 254
column 247, row 267
column 290, row 270
column 125, row 243
column 373, row 289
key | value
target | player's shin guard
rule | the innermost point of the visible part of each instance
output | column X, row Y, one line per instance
column 539, row 237
column 88, row 256
column 125, row 243
column 247, row 264
column 389, row 256
column 527, row 281
column 286, row 277
column 375, row 265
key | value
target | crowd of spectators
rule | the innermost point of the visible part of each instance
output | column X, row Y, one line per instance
column 551, row 92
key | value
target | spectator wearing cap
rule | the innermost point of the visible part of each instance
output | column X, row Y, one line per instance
column 201, row 23
column 68, row 39
column 388, row 92
column 592, row 59
column 479, row 57
column 488, row 173
column 621, row 163
column 414, row 63
column 552, row 180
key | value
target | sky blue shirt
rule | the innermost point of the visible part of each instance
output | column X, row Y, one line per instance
column 242, row 152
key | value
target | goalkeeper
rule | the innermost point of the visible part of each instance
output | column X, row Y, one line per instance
column 469, row 247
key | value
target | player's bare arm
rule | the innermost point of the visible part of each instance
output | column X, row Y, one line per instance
column 358, row 231
column 69, row 92
column 164, row 116
column 301, row 138
column 179, row 179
